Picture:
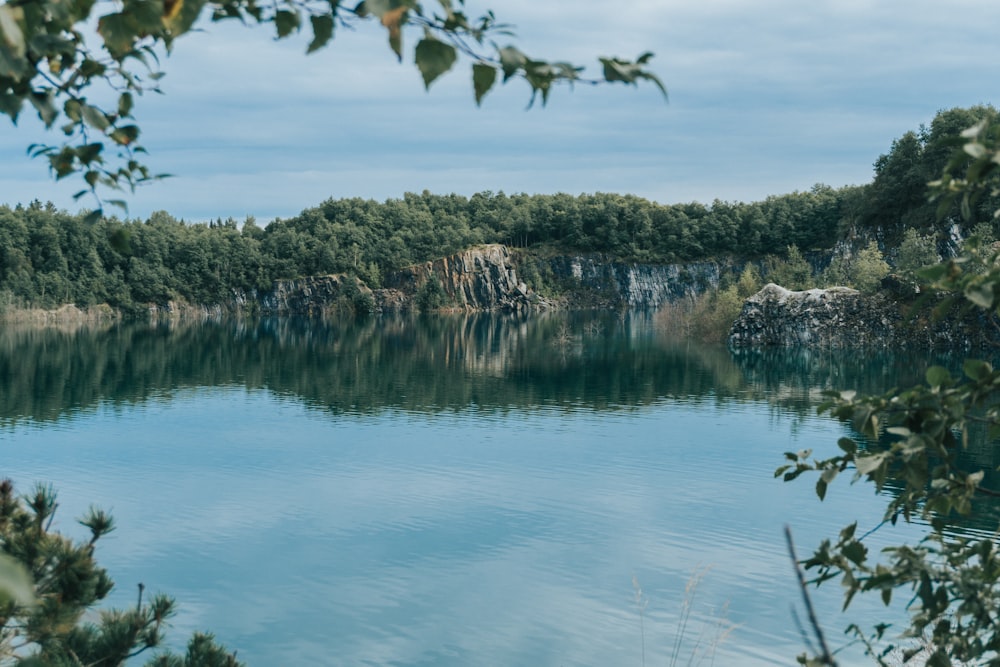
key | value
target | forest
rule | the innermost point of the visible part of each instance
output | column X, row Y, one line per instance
column 49, row 257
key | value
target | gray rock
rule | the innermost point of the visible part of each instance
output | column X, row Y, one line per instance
column 843, row 317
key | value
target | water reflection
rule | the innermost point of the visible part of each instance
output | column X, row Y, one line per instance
column 595, row 361
column 448, row 491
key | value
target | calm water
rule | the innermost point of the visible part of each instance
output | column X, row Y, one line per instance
column 442, row 491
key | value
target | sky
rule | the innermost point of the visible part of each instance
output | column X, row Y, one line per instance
column 765, row 97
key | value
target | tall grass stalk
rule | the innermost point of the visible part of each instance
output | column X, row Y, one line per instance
column 711, row 633
column 640, row 603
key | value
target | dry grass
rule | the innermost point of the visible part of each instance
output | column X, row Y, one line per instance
column 695, row 642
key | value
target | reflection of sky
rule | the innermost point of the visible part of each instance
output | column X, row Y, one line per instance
column 302, row 538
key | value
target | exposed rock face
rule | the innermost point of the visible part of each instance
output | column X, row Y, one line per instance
column 833, row 317
column 644, row 286
column 312, row 296
column 843, row 317
column 480, row 278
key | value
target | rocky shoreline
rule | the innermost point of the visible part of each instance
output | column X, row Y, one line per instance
column 840, row 317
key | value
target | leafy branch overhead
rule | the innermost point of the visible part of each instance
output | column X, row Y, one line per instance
column 49, row 60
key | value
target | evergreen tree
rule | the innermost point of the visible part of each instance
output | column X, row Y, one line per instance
column 48, row 582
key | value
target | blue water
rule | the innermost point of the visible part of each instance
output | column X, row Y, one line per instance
column 483, row 534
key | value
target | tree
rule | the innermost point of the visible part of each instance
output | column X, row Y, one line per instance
column 869, row 268
column 914, row 442
column 915, row 252
column 431, row 295
column 792, row 272
column 48, row 581
column 48, row 60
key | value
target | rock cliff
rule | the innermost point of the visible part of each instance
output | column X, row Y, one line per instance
column 641, row 286
column 843, row 317
column 480, row 278
column 311, row 296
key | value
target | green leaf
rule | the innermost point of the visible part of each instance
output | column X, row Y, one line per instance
column 855, row 551
column 44, row 104
column 829, row 474
column 848, row 445
column 483, row 78
column 95, row 118
column 975, row 369
column 434, row 58
column 15, row 582
column 118, row 33
column 937, row 376
column 821, row 489
column 322, row 27
column 11, row 34
column 869, row 464
column 980, row 294
column 180, row 20
column 125, row 103
column 511, row 60
column 88, row 153
column 392, row 15
column 286, row 22
column 125, row 135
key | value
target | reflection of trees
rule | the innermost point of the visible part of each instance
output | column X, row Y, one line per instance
column 420, row 363
column 796, row 377
column 492, row 362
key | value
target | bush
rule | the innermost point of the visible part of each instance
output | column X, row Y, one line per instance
column 431, row 295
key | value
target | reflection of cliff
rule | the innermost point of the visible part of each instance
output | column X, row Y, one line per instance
column 795, row 378
column 799, row 375
column 590, row 360
column 491, row 362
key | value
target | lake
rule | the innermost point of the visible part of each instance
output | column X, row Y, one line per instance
column 453, row 490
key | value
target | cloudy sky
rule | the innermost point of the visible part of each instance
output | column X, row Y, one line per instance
column 766, row 97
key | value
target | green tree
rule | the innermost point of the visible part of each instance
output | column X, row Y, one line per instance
column 48, row 582
column 792, row 271
column 869, row 268
column 51, row 59
column 749, row 282
column 916, row 252
column 431, row 295
column 913, row 440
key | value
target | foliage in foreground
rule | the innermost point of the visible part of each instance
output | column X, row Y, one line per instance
column 911, row 447
column 50, row 584
column 66, row 58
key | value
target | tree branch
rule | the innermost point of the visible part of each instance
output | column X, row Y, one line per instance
column 826, row 657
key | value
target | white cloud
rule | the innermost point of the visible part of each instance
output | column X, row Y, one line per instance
column 766, row 97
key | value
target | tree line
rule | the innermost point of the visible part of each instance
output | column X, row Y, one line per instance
column 49, row 257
